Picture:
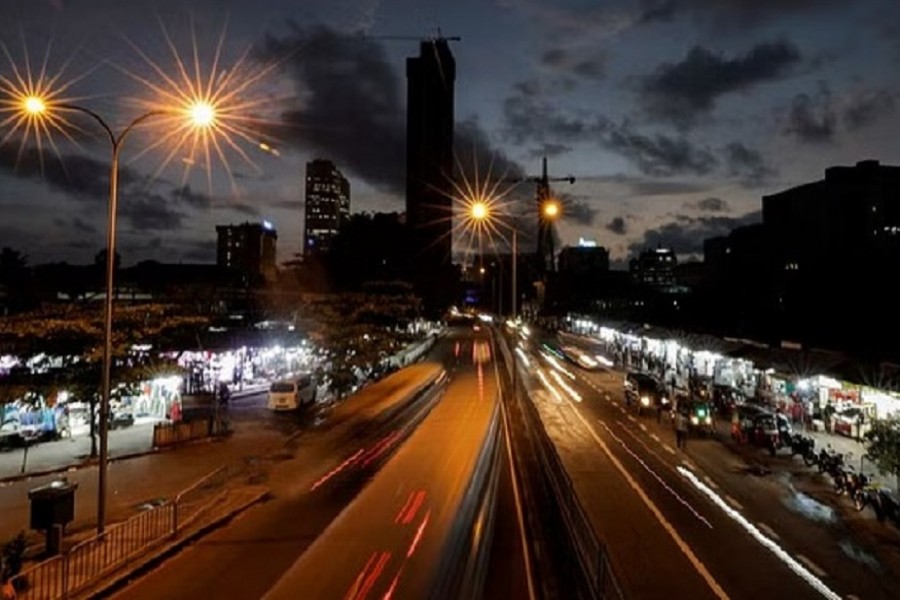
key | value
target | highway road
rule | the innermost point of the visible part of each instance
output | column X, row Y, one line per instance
column 691, row 523
column 392, row 540
column 357, row 473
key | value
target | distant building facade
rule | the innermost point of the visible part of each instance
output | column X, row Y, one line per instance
column 655, row 268
column 834, row 250
column 584, row 259
column 249, row 249
column 327, row 205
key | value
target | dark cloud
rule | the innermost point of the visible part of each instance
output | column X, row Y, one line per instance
column 587, row 67
column 82, row 226
column 151, row 212
column 682, row 92
column 811, row 118
column 532, row 118
column 590, row 68
column 550, row 149
column 185, row 194
column 476, row 154
column 713, row 205
column 747, row 164
column 287, row 203
column 868, row 107
column 554, row 57
column 729, row 13
column 685, row 235
column 244, row 209
column 658, row 11
column 643, row 186
column 659, row 155
column 86, row 179
column 618, row 226
column 349, row 105
column 577, row 210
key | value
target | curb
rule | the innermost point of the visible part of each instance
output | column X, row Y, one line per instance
column 154, row 558
column 92, row 462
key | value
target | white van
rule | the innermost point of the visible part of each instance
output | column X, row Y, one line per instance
column 291, row 394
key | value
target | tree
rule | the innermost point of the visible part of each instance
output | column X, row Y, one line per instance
column 884, row 445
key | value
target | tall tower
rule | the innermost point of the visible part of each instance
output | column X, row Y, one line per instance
column 429, row 152
column 327, row 205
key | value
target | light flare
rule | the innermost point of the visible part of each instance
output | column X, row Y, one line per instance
column 34, row 103
column 208, row 111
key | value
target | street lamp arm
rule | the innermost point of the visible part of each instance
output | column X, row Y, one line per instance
column 96, row 117
column 136, row 122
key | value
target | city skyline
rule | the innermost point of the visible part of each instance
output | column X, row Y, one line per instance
column 674, row 120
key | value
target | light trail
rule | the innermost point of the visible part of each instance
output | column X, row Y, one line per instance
column 792, row 563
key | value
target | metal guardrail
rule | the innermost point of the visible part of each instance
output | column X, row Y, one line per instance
column 67, row 575
column 591, row 552
column 465, row 563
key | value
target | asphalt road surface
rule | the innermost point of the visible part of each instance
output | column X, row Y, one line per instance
column 692, row 523
column 356, row 453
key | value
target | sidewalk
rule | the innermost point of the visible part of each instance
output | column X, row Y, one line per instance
column 72, row 452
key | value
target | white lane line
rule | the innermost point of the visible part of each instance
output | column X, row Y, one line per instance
column 812, row 566
column 733, row 502
column 655, row 438
column 632, row 419
column 643, row 427
column 769, row 531
column 690, row 465
column 710, row 482
column 802, row 566
column 670, row 449
column 670, row 529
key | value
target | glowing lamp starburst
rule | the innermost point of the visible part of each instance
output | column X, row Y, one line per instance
column 202, row 114
column 34, row 105
column 479, row 210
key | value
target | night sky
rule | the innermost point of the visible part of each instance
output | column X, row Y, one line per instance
column 676, row 116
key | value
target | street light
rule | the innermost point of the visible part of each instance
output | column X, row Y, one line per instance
column 481, row 213
column 551, row 210
column 200, row 115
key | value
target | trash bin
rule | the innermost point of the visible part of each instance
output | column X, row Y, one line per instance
column 52, row 508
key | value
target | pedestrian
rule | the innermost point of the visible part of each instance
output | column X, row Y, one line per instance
column 680, row 430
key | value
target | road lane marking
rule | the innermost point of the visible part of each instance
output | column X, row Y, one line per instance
column 710, row 482
column 812, row 566
column 769, row 531
column 670, row 529
column 655, row 438
column 632, row 419
column 670, row 449
column 794, row 564
column 690, row 465
column 647, row 468
column 643, row 427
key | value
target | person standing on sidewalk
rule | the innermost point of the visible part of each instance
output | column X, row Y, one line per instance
column 680, row 430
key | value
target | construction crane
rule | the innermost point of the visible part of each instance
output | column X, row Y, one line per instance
column 547, row 212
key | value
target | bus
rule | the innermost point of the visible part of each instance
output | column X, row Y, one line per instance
column 291, row 394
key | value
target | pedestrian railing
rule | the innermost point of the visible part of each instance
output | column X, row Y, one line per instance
column 86, row 563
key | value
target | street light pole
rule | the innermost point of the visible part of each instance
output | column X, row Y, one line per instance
column 515, row 260
column 103, row 417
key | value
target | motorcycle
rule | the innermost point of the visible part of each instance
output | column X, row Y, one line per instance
column 883, row 503
column 805, row 447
